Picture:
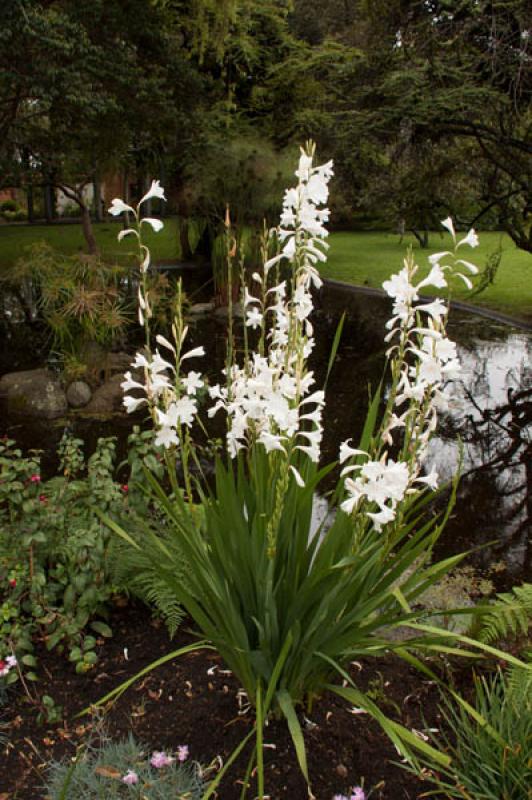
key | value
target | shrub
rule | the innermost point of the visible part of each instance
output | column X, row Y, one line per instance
column 99, row 772
column 54, row 568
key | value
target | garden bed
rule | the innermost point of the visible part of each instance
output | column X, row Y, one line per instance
column 193, row 701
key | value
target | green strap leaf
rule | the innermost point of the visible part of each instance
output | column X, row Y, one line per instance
column 287, row 707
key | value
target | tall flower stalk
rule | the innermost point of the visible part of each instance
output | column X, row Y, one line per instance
column 288, row 607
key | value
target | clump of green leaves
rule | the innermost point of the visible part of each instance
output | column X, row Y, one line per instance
column 54, row 573
column 99, row 771
column 491, row 749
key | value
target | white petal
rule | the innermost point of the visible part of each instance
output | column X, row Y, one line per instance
column 165, row 343
column 126, row 233
column 299, row 480
column 198, row 351
column 156, row 224
column 448, row 223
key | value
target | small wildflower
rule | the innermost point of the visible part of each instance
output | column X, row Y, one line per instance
column 182, row 752
column 131, row 778
column 358, row 793
column 13, row 583
column 160, row 759
column 7, row 665
column 35, row 478
column 43, row 498
column 125, row 488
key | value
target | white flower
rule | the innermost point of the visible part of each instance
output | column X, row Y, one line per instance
column 118, row 207
column 155, row 190
column 471, row 267
column 437, row 309
column 400, row 288
column 184, row 410
column 156, row 224
column 448, row 223
column 132, row 403
column 471, row 239
column 346, row 451
column 129, row 383
column 431, row 480
column 435, row 258
column 126, row 232
column 381, row 517
column 195, row 353
column 192, row 382
column 253, row 318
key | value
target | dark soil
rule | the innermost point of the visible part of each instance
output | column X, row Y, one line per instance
column 191, row 700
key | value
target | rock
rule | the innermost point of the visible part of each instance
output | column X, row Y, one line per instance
column 78, row 394
column 107, row 398
column 33, row 393
column 223, row 311
column 118, row 362
column 201, row 308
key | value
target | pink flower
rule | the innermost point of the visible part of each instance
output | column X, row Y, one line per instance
column 35, row 478
column 339, row 797
column 43, row 498
column 358, row 793
column 131, row 778
column 182, row 752
column 13, row 583
column 125, row 488
column 160, row 759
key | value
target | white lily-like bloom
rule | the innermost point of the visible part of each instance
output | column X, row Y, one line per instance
column 471, row 239
column 119, row 207
column 155, row 190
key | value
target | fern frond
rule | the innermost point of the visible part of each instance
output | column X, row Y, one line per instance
column 510, row 615
column 134, row 572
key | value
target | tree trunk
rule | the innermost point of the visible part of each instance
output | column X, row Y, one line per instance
column 88, row 232
column 49, row 202
column 97, row 199
column 29, row 202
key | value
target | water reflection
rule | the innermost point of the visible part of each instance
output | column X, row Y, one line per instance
column 492, row 414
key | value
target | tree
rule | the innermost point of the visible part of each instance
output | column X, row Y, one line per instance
column 89, row 87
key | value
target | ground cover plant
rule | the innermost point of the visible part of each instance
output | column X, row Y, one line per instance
column 125, row 769
column 286, row 606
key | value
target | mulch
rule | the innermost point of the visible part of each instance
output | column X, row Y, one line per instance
column 193, row 700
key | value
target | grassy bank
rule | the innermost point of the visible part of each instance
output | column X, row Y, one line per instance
column 355, row 257
column 369, row 258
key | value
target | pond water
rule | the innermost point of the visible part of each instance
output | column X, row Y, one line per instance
column 491, row 414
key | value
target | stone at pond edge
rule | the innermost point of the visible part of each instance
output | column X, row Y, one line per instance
column 78, row 394
column 107, row 398
column 33, row 393
column 201, row 308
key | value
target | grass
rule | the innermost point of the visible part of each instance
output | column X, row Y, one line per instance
column 69, row 239
column 369, row 258
column 359, row 258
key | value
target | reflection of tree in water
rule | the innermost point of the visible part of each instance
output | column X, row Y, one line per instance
column 494, row 422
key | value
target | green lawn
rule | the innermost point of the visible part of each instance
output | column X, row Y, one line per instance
column 69, row 239
column 358, row 258
column 369, row 258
